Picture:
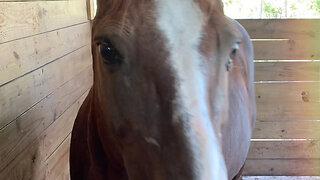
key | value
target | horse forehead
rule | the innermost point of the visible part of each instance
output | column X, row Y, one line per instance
column 182, row 24
column 180, row 15
column 177, row 18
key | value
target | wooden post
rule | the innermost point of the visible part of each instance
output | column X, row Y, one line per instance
column 91, row 9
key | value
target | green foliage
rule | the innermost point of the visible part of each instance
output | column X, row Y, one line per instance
column 273, row 8
column 316, row 5
column 271, row 11
column 293, row 7
column 228, row 2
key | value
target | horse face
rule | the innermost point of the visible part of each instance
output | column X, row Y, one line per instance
column 161, row 70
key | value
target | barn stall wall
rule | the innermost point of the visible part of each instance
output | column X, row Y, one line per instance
column 287, row 74
column 45, row 74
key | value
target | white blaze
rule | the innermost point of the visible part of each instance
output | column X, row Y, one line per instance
column 181, row 22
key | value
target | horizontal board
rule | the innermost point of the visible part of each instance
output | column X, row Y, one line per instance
column 287, row 71
column 58, row 162
column 280, row 167
column 287, row 50
column 22, row 19
column 31, row 163
column 24, row 55
column 34, row 0
column 287, row 130
column 288, row 92
column 282, row 28
column 281, row 178
column 288, row 111
column 304, row 149
column 21, row 94
column 26, row 128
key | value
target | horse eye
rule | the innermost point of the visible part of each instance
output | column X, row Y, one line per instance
column 229, row 64
column 233, row 53
column 235, row 49
column 109, row 53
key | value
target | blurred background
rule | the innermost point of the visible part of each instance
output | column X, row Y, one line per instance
column 261, row 9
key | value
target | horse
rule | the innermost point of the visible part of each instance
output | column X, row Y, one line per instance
column 172, row 95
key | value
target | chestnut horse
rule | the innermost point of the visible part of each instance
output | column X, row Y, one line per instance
column 172, row 97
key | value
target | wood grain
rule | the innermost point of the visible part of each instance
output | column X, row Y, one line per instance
column 20, row 95
column 288, row 92
column 58, row 162
column 24, row 55
column 288, row 111
column 287, row 71
column 22, row 19
column 287, row 50
column 287, row 130
column 280, row 167
column 31, row 163
column 27, row 127
column 304, row 149
column 304, row 29
column 2, row 1
column 281, row 178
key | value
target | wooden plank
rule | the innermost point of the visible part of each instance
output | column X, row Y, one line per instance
column 26, row 128
column 58, row 163
column 287, row 71
column 290, row 149
column 288, row 111
column 282, row 28
column 31, row 163
column 280, row 178
column 24, row 55
column 288, row 92
column 287, row 130
column 22, row 19
column 21, row 94
column 280, row 167
column 287, row 50
column 34, row 0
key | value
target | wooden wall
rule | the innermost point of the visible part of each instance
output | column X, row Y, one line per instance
column 286, row 139
column 45, row 74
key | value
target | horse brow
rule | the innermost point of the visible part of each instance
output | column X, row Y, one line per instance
column 114, row 28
